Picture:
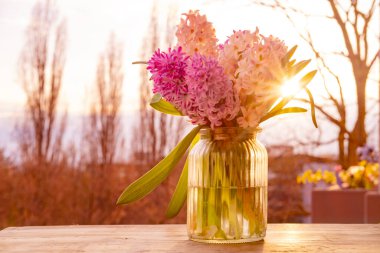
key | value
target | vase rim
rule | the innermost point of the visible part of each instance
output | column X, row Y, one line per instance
column 223, row 133
column 248, row 129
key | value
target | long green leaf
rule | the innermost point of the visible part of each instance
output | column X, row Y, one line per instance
column 283, row 111
column 288, row 55
column 180, row 192
column 163, row 106
column 154, row 177
column 312, row 106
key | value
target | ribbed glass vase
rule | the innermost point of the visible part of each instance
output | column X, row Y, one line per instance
column 227, row 187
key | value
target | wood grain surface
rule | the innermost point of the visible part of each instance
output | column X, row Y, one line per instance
column 172, row 238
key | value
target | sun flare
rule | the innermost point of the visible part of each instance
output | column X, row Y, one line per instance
column 289, row 88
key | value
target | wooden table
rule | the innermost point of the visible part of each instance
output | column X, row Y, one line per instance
column 172, row 238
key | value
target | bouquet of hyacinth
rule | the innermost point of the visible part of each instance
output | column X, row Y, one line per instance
column 234, row 83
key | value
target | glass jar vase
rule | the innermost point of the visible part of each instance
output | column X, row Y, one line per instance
column 227, row 187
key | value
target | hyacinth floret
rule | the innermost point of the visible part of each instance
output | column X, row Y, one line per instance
column 258, row 77
column 212, row 94
column 230, row 52
column 196, row 35
column 168, row 74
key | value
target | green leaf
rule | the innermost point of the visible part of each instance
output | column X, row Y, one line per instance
column 290, row 64
column 288, row 55
column 154, row 177
column 283, row 111
column 180, row 192
column 296, row 68
column 306, row 79
column 163, row 106
column 140, row 62
column 312, row 105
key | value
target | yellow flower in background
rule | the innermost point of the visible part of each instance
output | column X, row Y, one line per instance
column 317, row 176
column 329, row 177
column 305, row 177
column 364, row 175
column 310, row 177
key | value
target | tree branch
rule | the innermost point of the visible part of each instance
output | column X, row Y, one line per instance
column 342, row 26
column 377, row 55
column 355, row 27
column 327, row 115
column 340, row 106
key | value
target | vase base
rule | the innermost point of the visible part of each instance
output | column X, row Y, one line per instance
column 220, row 241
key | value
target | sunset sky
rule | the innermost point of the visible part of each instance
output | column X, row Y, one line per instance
column 90, row 23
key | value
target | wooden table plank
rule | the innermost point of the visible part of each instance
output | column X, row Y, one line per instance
column 173, row 238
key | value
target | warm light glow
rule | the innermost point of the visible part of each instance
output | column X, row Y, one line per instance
column 289, row 88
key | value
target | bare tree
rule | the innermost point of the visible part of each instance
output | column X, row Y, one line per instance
column 41, row 68
column 154, row 132
column 103, row 138
column 354, row 20
column 105, row 127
